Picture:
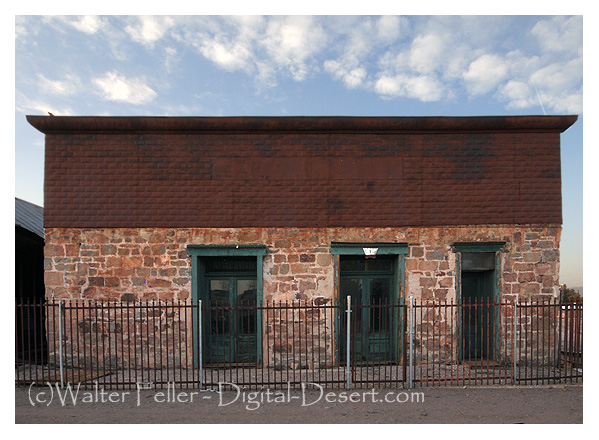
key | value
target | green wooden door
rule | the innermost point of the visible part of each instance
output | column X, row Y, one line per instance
column 232, row 320
column 369, row 283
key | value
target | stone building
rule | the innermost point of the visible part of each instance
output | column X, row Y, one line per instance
column 246, row 210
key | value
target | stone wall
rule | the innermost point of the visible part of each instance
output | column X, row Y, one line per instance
column 142, row 264
column 125, row 265
column 111, row 336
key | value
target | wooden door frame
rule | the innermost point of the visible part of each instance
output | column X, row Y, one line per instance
column 496, row 247
column 198, row 282
column 399, row 250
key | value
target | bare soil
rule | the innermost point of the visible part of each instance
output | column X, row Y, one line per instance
column 541, row 404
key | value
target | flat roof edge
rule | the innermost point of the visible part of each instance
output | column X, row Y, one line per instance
column 375, row 124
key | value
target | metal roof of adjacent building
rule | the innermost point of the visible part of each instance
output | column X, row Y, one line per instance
column 29, row 216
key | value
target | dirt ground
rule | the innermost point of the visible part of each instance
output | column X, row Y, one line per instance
column 546, row 404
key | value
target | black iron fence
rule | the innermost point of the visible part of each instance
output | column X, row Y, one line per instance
column 405, row 344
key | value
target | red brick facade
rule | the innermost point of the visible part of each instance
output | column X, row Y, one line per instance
column 301, row 172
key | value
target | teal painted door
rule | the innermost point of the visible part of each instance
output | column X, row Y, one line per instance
column 369, row 283
column 232, row 324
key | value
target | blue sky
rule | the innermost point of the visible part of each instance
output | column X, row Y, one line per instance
column 303, row 65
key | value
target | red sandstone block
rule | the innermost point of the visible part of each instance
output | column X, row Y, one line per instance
column 53, row 250
column 53, row 278
column 111, row 282
column 525, row 277
column 157, row 282
column 71, row 250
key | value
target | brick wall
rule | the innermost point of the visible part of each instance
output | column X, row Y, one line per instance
column 378, row 172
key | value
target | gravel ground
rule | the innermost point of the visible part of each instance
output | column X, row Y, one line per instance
column 541, row 404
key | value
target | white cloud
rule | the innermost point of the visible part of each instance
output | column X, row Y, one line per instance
column 23, row 26
column 518, row 95
column 560, row 34
column 88, row 24
column 264, row 47
column 567, row 102
column 70, row 85
column 171, row 58
column 426, row 53
column 292, row 41
column 226, row 41
column 26, row 105
column 115, row 87
column 228, row 55
column 389, row 27
column 424, row 88
column 352, row 77
column 149, row 29
column 485, row 73
column 559, row 75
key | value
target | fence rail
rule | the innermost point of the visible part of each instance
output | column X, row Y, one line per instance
column 124, row 345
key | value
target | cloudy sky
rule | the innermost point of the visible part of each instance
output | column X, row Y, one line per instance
column 303, row 65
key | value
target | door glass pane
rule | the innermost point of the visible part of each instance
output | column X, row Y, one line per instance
column 380, row 294
column 352, row 287
column 352, row 264
column 230, row 264
column 477, row 261
column 379, row 264
column 219, row 303
column 246, row 303
column 219, row 293
column 246, row 292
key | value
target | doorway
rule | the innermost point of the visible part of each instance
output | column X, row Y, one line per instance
column 230, row 318
column 370, row 285
column 478, row 310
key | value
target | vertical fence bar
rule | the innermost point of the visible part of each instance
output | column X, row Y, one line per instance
column 580, row 342
column 60, row 338
column 348, row 343
column 201, row 355
column 34, row 306
column 17, row 344
column 555, row 359
column 515, row 342
column 411, row 333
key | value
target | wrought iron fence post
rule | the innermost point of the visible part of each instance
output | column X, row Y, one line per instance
column 200, row 337
column 515, row 343
column 559, row 336
column 60, row 339
column 348, row 343
column 411, row 333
